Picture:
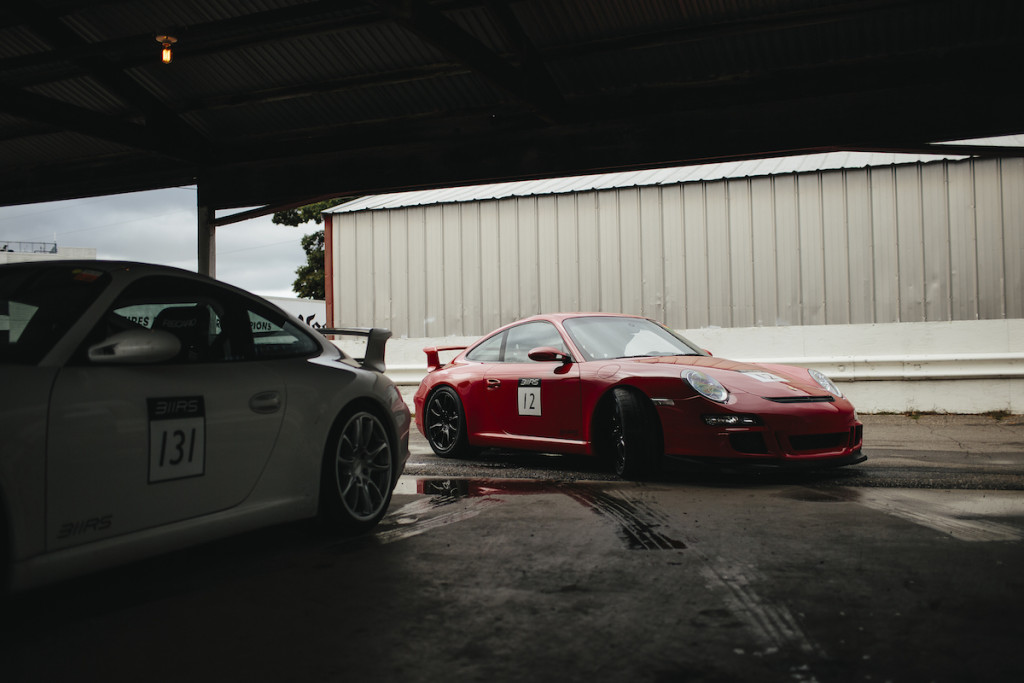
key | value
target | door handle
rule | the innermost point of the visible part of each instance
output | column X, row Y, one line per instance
column 265, row 402
column 493, row 383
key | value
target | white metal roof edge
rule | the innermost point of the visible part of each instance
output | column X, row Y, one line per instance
column 661, row 176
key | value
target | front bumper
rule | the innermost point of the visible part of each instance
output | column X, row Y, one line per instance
column 804, row 435
column 768, row 463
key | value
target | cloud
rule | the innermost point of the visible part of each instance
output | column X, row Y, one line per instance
column 159, row 226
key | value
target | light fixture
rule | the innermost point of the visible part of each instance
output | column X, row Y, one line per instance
column 166, row 41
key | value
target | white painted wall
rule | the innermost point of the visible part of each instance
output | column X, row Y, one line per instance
column 62, row 254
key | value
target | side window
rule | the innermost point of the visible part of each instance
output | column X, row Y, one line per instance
column 524, row 338
column 489, row 350
column 276, row 336
column 14, row 320
column 194, row 312
column 196, row 325
column 39, row 304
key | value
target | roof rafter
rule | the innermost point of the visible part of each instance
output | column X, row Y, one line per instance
column 436, row 29
column 69, row 117
column 165, row 133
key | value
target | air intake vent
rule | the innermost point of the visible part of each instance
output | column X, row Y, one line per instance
column 818, row 442
column 801, row 399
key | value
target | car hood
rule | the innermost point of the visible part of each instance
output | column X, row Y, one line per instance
column 768, row 381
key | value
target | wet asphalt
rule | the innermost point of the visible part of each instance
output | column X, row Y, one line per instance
column 519, row 567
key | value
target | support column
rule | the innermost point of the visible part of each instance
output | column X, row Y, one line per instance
column 207, row 242
column 329, row 267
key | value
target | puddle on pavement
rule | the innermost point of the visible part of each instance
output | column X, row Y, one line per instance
column 637, row 523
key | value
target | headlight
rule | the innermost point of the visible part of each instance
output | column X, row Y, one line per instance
column 825, row 382
column 706, row 385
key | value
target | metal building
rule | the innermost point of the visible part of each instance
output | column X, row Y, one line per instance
column 761, row 244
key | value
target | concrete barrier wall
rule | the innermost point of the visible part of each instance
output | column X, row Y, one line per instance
column 946, row 367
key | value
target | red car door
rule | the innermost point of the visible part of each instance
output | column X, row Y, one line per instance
column 531, row 400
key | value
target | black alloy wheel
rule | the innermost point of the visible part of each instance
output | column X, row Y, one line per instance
column 445, row 423
column 633, row 442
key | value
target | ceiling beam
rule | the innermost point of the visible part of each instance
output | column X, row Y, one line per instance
column 431, row 26
column 162, row 124
column 768, row 22
column 69, row 117
column 313, row 88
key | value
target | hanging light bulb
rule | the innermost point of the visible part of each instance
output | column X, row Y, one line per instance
column 167, row 42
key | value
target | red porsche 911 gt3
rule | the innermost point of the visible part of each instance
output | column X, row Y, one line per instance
column 632, row 391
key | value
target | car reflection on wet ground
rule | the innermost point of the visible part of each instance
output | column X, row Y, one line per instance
column 905, row 568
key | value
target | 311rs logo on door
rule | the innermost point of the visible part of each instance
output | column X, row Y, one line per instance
column 177, row 438
column 529, row 396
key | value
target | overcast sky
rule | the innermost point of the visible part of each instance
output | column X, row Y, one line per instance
column 160, row 227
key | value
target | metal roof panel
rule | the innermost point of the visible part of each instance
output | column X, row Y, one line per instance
column 660, row 176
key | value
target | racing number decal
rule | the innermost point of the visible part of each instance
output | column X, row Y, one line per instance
column 177, row 438
column 529, row 396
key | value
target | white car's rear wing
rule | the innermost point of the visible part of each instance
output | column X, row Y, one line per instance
column 376, row 339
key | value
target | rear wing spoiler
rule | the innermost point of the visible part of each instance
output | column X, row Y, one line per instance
column 433, row 352
column 376, row 339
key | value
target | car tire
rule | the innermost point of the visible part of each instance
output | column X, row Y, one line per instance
column 445, row 424
column 357, row 476
column 632, row 436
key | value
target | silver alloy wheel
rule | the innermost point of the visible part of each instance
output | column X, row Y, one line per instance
column 362, row 467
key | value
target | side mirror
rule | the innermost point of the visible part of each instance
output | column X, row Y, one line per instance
column 549, row 353
column 134, row 347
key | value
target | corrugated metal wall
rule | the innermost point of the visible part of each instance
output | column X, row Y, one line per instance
column 918, row 242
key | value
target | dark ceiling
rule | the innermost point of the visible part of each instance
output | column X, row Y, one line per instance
column 272, row 102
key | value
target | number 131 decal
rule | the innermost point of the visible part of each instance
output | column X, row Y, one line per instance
column 529, row 396
column 177, row 438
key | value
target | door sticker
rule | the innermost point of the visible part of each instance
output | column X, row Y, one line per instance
column 177, row 438
column 529, row 396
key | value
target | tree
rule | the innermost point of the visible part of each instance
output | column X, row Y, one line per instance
column 310, row 281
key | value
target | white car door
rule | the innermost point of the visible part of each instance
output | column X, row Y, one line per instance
column 135, row 446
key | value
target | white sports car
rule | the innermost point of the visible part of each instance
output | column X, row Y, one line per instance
column 146, row 408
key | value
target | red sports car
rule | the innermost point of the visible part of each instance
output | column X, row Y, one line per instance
column 630, row 390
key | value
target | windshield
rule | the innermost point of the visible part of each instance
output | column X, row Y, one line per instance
column 39, row 304
column 601, row 337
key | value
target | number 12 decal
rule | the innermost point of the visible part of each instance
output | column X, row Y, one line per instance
column 529, row 396
column 177, row 438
